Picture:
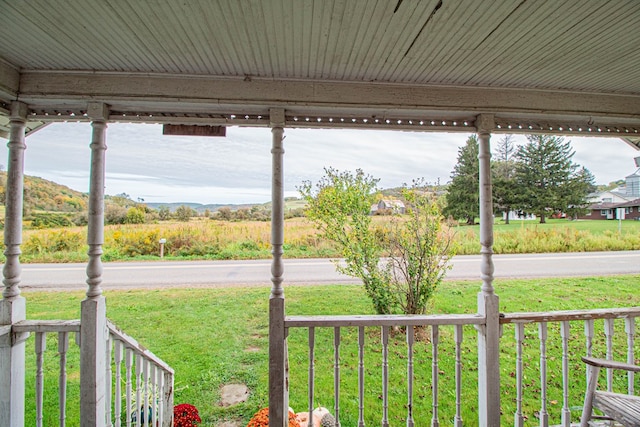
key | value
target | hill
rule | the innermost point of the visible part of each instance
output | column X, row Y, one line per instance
column 43, row 195
column 198, row 207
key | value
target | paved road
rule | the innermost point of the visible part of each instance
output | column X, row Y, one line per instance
column 312, row 271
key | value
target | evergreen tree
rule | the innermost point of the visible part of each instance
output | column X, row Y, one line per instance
column 548, row 180
column 580, row 185
column 505, row 188
column 463, row 192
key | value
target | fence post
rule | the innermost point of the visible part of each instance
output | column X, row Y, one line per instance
column 12, row 305
column 278, row 390
column 488, row 303
column 93, row 313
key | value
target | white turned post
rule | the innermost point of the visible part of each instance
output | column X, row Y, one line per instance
column 278, row 390
column 12, row 305
column 93, row 331
column 488, row 304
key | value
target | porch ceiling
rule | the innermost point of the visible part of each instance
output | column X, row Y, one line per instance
column 568, row 67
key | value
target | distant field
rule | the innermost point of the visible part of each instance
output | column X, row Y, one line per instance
column 213, row 239
column 557, row 235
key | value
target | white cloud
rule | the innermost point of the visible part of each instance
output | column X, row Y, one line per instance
column 145, row 164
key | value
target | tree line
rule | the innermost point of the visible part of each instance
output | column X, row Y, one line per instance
column 538, row 177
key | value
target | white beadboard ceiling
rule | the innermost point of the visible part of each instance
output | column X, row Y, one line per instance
column 525, row 61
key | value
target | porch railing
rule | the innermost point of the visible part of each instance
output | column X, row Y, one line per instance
column 432, row 375
column 559, row 339
column 378, row 395
column 139, row 384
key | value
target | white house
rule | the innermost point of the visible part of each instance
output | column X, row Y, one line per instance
column 518, row 216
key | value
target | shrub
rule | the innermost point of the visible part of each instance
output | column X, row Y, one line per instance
column 164, row 213
column 184, row 213
column 134, row 242
column 134, row 216
column 114, row 214
column 339, row 206
column 55, row 241
column 50, row 220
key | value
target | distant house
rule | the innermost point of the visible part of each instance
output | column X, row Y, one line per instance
column 388, row 206
column 518, row 215
column 613, row 196
column 619, row 203
column 606, row 210
column 631, row 209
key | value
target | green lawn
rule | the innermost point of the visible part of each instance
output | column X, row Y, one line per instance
column 212, row 337
column 592, row 226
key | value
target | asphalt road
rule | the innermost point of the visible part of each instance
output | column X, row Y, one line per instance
column 129, row 275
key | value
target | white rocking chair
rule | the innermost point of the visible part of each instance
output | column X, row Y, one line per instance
column 623, row 408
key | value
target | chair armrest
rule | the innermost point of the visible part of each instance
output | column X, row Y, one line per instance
column 602, row 363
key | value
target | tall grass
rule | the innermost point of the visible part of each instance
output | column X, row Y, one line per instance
column 213, row 337
column 212, row 239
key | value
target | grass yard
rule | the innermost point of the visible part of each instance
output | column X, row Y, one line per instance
column 212, row 337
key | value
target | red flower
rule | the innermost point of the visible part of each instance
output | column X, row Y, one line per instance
column 185, row 415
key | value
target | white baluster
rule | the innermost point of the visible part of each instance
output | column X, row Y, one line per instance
column 588, row 333
column 458, row 339
column 435, row 337
column 361, row 376
column 608, row 332
column 109, row 380
column 139, row 395
column 312, row 342
column 159, row 397
column 118, row 389
column 154, row 394
column 336, row 374
column 630, row 329
column 519, row 418
column 129, row 368
column 63, row 348
column 167, row 387
column 385, row 376
column 565, row 333
column 542, row 333
column 410, row 341
column 41, row 346
column 145, row 375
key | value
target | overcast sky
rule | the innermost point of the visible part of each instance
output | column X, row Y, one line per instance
column 237, row 169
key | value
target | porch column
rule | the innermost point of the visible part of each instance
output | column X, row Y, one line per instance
column 93, row 330
column 488, row 334
column 278, row 387
column 12, row 305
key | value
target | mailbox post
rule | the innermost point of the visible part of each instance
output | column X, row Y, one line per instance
column 162, row 242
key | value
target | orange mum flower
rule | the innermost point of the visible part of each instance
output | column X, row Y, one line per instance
column 261, row 419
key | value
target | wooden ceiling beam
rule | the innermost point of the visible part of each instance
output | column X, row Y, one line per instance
column 233, row 95
column 9, row 81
